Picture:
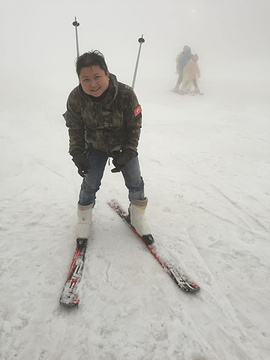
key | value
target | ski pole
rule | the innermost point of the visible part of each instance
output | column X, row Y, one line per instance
column 76, row 24
column 141, row 41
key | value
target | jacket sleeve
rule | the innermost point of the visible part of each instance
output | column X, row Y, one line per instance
column 133, row 124
column 74, row 122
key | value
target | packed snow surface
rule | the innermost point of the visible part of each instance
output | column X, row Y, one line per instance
column 205, row 161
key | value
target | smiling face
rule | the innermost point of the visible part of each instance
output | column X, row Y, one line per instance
column 94, row 80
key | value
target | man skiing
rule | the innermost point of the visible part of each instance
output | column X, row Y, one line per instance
column 104, row 120
column 181, row 62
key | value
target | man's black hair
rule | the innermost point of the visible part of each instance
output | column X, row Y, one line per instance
column 91, row 58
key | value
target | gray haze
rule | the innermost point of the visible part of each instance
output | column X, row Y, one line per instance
column 37, row 39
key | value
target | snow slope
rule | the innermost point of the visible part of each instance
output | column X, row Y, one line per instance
column 205, row 161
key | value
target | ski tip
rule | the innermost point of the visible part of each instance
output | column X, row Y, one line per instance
column 183, row 282
column 189, row 287
column 69, row 304
column 194, row 287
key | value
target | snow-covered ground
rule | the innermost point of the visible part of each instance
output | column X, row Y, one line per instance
column 206, row 164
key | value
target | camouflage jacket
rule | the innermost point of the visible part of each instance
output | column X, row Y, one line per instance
column 109, row 125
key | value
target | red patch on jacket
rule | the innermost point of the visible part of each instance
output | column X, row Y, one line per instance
column 138, row 110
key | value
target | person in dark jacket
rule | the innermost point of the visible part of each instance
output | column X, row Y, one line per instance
column 181, row 61
column 104, row 121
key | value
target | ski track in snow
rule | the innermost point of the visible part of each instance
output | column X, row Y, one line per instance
column 209, row 210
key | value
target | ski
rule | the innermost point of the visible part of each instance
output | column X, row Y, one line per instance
column 191, row 93
column 70, row 296
column 180, row 279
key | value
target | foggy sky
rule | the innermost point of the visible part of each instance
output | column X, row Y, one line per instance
column 37, row 39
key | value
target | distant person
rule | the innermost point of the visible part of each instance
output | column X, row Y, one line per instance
column 191, row 75
column 181, row 61
column 104, row 121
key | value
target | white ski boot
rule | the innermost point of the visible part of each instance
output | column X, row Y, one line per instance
column 84, row 221
column 138, row 220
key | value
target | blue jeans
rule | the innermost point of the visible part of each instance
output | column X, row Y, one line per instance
column 92, row 181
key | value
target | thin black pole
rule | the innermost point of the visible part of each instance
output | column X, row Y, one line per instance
column 141, row 41
column 76, row 24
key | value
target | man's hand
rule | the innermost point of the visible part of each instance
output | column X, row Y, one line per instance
column 82, row 163
column 120, row 159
